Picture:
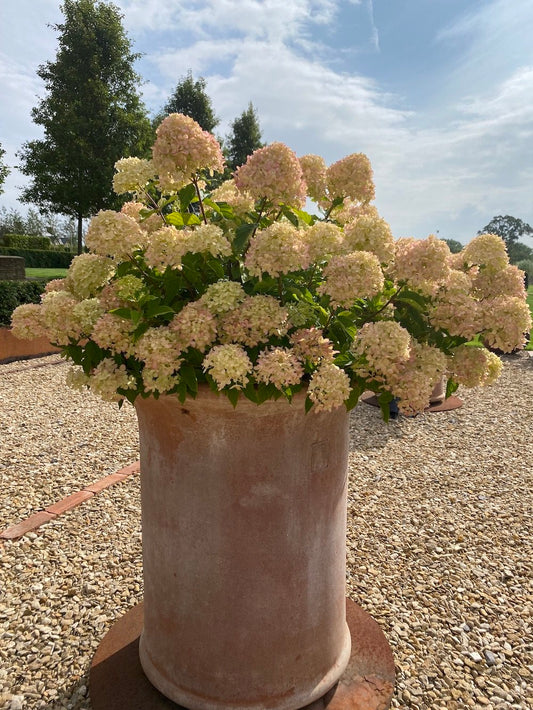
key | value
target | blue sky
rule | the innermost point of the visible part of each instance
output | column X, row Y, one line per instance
column 438, row 93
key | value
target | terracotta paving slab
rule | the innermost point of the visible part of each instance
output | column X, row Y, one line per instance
column 69, row 502
column 50, row 512
column 25, row 526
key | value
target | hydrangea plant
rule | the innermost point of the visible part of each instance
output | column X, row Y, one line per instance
column 243, row 289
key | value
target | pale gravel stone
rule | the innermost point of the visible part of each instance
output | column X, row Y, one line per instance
column 439, row 540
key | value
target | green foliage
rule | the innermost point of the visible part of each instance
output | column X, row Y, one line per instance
column 510, row 229
column 527, row 266
column 36, row 258
column 15, row 293
column 91, row 116
column 245, row 137
column 25, row 241
column 59, row 230
column 190, row 98
column 455, row 246
column 518, row 251
column 4, row 170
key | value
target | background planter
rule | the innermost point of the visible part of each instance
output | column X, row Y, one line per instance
column 12, row 348
column 244, row 515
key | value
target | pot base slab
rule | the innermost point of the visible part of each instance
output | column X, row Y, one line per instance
column 117, row 681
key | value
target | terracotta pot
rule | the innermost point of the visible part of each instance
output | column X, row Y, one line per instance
column 438, row 394
column 244, row 518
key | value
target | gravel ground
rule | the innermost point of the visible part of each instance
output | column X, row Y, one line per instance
column 439, row 540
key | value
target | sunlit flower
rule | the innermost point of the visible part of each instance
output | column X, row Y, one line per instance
column 273, row 173
column 351, row 177
column 278, row 366
column 329, row 387
column 229, row 366
column 352, row 276
column 278, row 249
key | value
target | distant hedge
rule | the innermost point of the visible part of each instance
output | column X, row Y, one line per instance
column 40, row 258
column 14, row 293
column 25, row 241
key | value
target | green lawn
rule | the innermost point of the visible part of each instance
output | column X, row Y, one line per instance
column 46, row 273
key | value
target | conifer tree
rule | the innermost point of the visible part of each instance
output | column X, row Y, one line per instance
column 245, row 137
column 92, row 114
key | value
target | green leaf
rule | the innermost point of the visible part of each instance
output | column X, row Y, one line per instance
column 175, row 218
column 308, row 404
column 290, row 215
column 191, row 218
column 122, row 313
column 304, row 217
column 157, row 309
column 186, row 195
column 233, row 396
column 188, row 375
column 242, row 236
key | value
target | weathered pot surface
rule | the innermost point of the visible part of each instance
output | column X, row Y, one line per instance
column 244, row 517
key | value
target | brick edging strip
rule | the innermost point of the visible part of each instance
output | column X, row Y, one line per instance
column 62, row 506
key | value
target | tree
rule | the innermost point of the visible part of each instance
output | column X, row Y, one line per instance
column 510, row 229
column 92, row 115
column 245, row 137
column 190, row 98
column 4, row 170
column 455, row 246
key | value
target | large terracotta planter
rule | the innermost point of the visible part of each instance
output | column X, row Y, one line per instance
column 244, row 516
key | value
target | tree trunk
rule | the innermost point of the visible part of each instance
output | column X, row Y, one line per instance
column 80, row 235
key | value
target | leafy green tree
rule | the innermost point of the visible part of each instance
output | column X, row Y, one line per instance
column 4, row 170
column 245, row 137
column 510, row 229
column 455, row 246
column 92, row 115
column 190, row 98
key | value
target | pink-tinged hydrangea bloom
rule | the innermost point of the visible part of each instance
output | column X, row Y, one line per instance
column 324, row 240
column 370, row 233
column 195, row 326
column 113, row 333
column 352, row 276
column 88, row 274
column 274, row 173
column 109, row 299
column 311, row 346
column 486, row 250
column 329, row 387
column 222, row 296
column 159, row 349
column 254, row 321
column 229, row 366
column 114, row 234
column 157, row 381
column 76, row 379
column 278, row 366
column 148, row 224
column 455, row 309
column 107, row 378
column 240, row 200
column 314, row 174
column 278, row 249
column 26, row 322
column 132, row 174
column 85, row 314
column 509, row 281
column 471, row 367
column 56, row 316
column 422, row 263
column 182, row 149
column 55, row 285
column 416, row 377
column 166, row 248
column 381, row 348
column 128, row 288
column 207, row 238
column 351, row 177
column 506, row 319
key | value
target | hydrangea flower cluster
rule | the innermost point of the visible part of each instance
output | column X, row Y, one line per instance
column 241, row 290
